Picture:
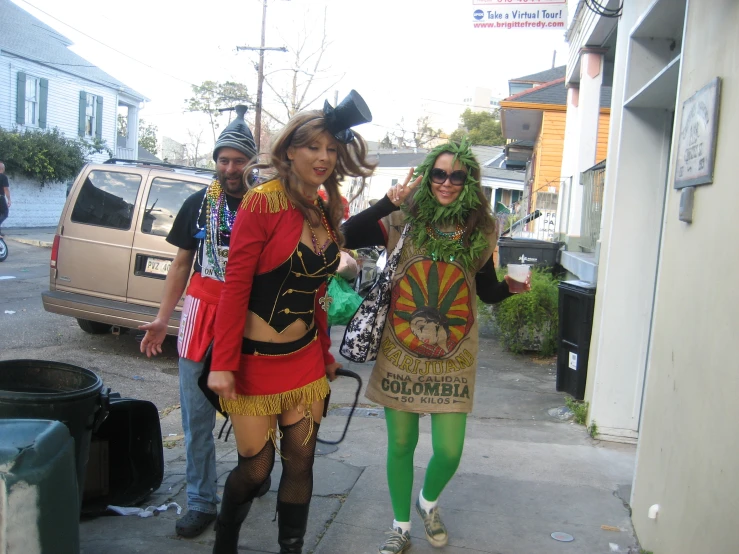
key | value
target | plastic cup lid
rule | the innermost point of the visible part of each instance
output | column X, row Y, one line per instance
column 562, row 537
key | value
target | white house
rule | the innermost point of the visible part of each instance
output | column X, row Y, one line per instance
column 663, row 369
column 44, row 85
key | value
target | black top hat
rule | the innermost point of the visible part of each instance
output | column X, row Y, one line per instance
column 351, row 111
column 237, row 135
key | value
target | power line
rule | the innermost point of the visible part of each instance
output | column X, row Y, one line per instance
column 107, row 46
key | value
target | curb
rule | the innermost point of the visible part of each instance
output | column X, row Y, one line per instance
column 32, row 242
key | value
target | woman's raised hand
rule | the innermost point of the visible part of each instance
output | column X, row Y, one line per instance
column 398, row 193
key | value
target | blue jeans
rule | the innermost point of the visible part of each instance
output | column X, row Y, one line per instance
column 198, row 420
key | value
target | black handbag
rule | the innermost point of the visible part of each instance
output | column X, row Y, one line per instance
column 212, row 397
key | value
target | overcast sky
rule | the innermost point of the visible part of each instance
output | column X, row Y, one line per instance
column 400, row 55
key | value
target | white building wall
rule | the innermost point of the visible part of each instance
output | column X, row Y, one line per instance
column 63, row 100
column 5, row 92
column 34, row 205
column 377, row 186
column 688, row 447
column 628, row 260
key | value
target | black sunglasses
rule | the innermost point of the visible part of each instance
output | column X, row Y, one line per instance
column 457, row 178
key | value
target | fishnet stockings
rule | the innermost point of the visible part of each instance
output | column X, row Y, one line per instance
column 246, row 478
column 298, row 451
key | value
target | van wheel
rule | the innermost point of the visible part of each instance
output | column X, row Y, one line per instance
column 93, row 327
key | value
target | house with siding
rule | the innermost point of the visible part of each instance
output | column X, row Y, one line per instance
column 538, row 115
column 44, row 85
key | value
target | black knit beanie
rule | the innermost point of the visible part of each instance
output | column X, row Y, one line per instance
column 237, row 136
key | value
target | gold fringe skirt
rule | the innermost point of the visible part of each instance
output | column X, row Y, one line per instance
column 270, row 384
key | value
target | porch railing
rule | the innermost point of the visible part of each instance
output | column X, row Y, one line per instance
column 593, row 182
column 125, row 153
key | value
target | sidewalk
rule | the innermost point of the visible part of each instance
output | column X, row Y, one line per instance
column 35, row 236
column 524, row 475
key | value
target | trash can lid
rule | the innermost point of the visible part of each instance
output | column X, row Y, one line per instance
column 577, row 284
column 516, row 241
column 47, row 437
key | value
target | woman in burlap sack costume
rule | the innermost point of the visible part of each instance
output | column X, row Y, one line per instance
column 428, row 355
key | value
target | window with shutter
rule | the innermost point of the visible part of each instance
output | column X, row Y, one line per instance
column 99, row 117
column 20, row 106
column 82, row 113
column 91, row 111
column 32, row 101
column 43, row 98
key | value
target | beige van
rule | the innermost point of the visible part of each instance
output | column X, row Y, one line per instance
column 110, row 257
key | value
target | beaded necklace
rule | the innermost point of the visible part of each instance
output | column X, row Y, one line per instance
column 326, row 299
column 321, row 250
column 440, row 237
column 219, row 220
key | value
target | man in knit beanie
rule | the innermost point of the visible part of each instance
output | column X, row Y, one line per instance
column 201, row 233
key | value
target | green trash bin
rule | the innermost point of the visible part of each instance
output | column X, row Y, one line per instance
column 38, row 487
column 38, row 389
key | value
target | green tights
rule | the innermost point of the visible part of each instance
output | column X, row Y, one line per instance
column 447, row 440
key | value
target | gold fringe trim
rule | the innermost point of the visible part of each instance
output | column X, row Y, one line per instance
column 272, row 404
column 270, row 197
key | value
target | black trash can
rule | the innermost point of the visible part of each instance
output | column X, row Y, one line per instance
column 576, row 303
column 535, row 252
column 38, row 389
column 126, row 456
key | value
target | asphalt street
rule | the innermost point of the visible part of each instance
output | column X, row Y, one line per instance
column 28, row 331
column 525, row 473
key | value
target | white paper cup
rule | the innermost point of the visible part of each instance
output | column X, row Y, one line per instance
column 519, row 272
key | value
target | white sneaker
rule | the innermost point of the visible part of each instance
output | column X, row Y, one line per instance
column 397, row 542
column 435, row 529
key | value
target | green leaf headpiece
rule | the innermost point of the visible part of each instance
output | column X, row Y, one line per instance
column 430, row 212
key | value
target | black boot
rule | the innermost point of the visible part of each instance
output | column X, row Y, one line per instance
column 228, row 525
column 292, row 521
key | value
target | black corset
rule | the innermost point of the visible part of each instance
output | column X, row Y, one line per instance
column 287, row 293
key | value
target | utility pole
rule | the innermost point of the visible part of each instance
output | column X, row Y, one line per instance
column 260, row 77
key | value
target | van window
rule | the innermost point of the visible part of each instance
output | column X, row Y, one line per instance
column 166, row 197
column 106, row 199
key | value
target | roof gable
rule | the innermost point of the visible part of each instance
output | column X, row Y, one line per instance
column 24, row 36
column 542, row 76
column 555, row 93
column 401, row 159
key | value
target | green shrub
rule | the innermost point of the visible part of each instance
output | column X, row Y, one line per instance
column 46, row 155
column 527, row 322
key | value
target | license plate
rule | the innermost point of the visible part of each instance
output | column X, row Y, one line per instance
column 157, row 266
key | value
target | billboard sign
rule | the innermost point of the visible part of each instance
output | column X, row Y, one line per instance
column 519, row 14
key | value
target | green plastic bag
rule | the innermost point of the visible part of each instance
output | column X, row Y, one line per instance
column 344, row 303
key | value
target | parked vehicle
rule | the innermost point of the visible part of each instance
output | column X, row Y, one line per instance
column 3, row 250
column 371, row 262
column 109, row 257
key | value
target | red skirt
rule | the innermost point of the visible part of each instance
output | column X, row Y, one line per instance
column 272, row 383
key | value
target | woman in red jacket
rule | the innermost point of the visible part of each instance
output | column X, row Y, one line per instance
column 271, row 355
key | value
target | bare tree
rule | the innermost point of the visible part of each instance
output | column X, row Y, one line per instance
column 294, row 87
column 405, row 136
column 211, row 97
column 194, row 149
